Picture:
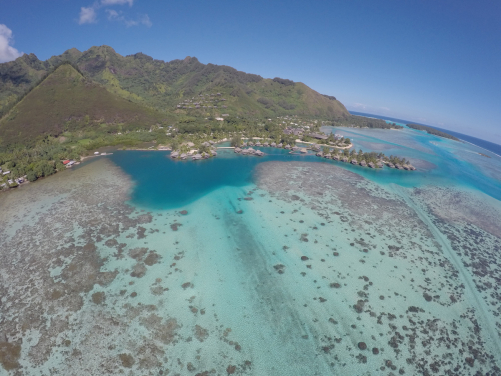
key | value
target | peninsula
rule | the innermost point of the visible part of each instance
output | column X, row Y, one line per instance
column 55, row 112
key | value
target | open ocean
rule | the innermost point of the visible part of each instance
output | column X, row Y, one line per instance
column 490, row 146
column 136, row 264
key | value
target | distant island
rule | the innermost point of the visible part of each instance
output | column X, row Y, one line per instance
column 355, row 121
column 432, row 131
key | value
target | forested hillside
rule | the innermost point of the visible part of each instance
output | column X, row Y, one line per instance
column 66, row 101
column 164, row 85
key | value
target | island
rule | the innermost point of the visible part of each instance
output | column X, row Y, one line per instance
column 433, row 131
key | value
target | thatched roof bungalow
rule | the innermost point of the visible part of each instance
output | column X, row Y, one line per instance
column 273, row 144
column 279, row 145
column 196, row 157
column 354, row 162
column 259, row 153
column 237, row 150
column 174, row 154
column 183, row 156
column 287, row 146
column 363, row 163
column 371, row 165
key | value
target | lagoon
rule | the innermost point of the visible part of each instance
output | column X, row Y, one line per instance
column 285, row 264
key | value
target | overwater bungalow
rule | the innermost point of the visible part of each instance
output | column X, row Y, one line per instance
column 405, row 167
column 245, row 151
column 380, row 164
column 250, row 143
column 258, row 143
column 279, row 145
column 335, row 157
column 287, row 146
column 399, row 167
column 363, row 164
column 354, row 162
column 345, row 159
column 214, row 153
column 196, row 157
column 328, row 156
column 273, row 144
column 174, row 154
column 244, row 144
column 250, row 151
column 183, row 156
column 304, row 150
column 319, row 154
column 259, row 153
column 412, row 168
column 372, row 165
column 391, row 165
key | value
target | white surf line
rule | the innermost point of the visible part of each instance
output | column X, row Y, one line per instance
column 481, row 148
column 489, row 330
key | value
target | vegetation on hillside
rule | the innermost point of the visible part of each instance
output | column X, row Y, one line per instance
column 162, row 85
column 355, row 121
column 65, row 100
column 432, row 131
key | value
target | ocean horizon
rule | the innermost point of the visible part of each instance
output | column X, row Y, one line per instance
column 487, row 145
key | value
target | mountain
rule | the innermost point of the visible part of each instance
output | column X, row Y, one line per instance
column 165, row 85
column 65, row 101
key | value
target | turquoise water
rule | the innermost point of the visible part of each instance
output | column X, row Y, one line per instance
column 282, row 265
column 164, row 183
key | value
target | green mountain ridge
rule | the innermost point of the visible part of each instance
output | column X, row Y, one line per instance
column 163, row 85
column 67, row 101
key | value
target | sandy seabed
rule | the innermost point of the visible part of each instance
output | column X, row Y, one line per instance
column 310, row 270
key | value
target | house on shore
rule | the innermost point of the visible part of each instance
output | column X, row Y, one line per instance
column 319, row 136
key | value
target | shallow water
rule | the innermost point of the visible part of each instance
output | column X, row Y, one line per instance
column 137, row 264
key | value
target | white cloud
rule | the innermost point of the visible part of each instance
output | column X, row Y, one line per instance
column 113, row 15
column 87, row 15
column 117, row 2
column 359, row 105
column 145, row 20
column 7, row 52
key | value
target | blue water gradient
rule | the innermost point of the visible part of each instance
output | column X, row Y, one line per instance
column 162, row 183
column 495, row 148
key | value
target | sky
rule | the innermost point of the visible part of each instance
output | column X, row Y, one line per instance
column 433, row 62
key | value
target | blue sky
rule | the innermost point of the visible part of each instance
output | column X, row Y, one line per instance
column 435, row 62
